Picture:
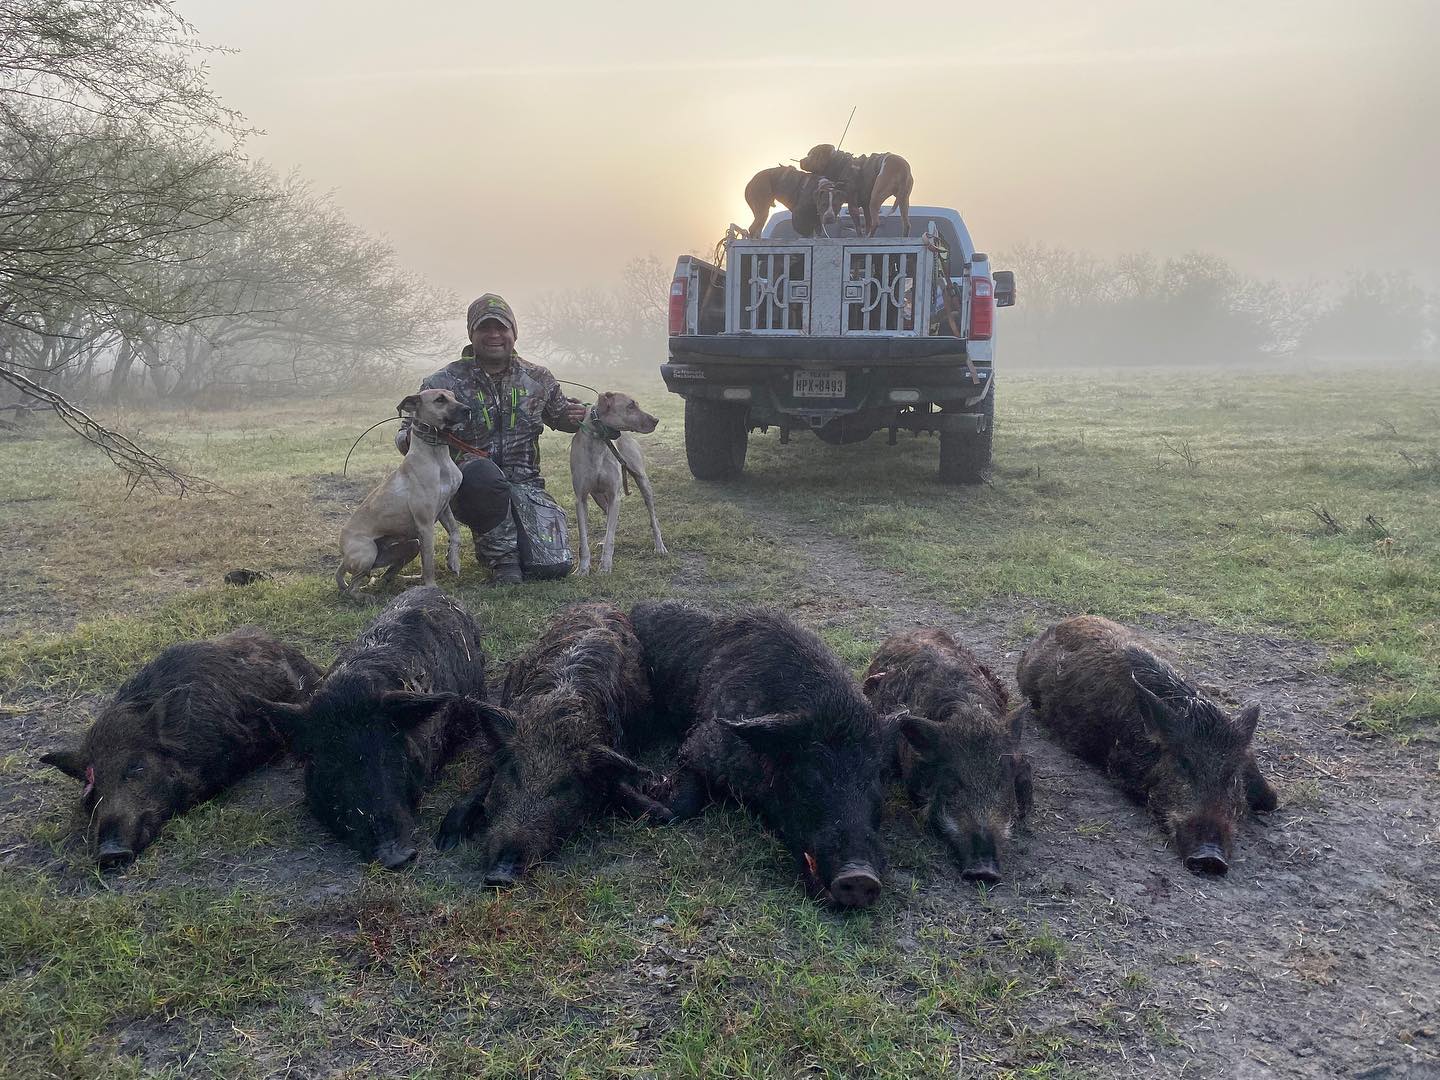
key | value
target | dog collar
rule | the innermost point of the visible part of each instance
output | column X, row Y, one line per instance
column 596, row 428
column 428, row 434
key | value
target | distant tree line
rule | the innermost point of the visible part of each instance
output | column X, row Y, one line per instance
column 1197, row 309
column 1072, row 308
column 142, row 252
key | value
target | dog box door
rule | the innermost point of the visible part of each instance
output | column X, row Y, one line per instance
column 769, row 288
column 885, row 289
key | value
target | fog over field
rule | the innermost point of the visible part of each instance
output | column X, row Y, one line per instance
column 513, row 148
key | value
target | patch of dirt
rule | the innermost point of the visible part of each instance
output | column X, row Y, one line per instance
column 1318, row 956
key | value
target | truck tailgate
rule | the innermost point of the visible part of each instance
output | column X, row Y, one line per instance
column 833, row 351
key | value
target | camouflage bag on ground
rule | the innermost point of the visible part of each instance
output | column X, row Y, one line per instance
column 544, row 542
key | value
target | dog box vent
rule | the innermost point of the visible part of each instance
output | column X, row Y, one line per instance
column 769, row 290
column 880, row 289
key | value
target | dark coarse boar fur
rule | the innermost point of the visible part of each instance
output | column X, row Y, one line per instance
column 554, row 756
column 785, row 730
column 677, row 639
column 179, row 732
column 1105, row 695
column 959, row 755
column 390, row 713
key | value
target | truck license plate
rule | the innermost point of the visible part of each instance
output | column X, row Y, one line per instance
column 829, row 384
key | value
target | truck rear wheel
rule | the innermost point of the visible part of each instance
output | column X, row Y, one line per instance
column 965, row 456
column 715, row 439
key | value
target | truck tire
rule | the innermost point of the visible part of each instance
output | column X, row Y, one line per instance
column 965, row 456
column 715, row 439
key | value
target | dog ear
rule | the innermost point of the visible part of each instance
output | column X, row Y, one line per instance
column 410, row 404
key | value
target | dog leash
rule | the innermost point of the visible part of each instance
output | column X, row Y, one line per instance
column 449, row 437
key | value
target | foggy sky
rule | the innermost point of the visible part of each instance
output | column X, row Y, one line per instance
column 528, row 146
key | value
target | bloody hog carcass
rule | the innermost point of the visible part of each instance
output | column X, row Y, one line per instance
column 1107, row 696
column 958, row 752
column 392, row 710
column 555, row 762
column 178, row 733
column 782, row 728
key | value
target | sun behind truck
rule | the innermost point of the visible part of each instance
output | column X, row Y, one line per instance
column 843, row 336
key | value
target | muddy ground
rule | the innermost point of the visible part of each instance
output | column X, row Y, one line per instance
column 1318, row 955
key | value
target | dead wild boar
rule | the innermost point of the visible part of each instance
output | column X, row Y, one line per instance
column 784, row 730
column 676, row 638
column 958, row 753
column 392, row 710
column 1106, row 696
column 554, row 757
column 179, row 732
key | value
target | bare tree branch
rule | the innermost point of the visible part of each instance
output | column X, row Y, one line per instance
column 139, row 465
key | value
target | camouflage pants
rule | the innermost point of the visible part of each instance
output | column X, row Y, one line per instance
column 502, row 544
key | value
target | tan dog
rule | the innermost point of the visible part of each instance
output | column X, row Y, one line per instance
column 873, row 178
column 396, row 521
column 597, row 452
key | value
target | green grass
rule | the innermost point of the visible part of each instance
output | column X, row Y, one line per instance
column 686, row 952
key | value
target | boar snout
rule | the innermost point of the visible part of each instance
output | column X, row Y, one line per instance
column 395, row 854
column 985, row 871
column 505, row 870
column 857, row 885
column 114, row 855
column 1207, row 859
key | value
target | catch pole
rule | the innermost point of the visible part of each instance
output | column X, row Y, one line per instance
column 847, row 127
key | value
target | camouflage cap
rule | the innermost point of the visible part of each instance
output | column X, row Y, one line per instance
column 490, row 306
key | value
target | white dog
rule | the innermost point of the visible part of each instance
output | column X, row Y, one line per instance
column 601, row 454
column 397, row 519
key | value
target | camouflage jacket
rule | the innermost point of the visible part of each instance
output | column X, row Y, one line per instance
column 507, row 412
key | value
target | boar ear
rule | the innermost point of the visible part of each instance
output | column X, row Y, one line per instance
column 925, row 736
column 1024, row 783
column 507, row 690
column 614, row 765
column 168, row 716
column 496, row 724
column 69, row 761
column 405, row 709
column 872, row 682
column 1152, row 709
column 410, row 404
column 285, row 718
column 1246, row 721
column 772, row 732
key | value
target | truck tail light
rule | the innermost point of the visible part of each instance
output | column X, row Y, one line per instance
column 679, row 304
column 982, row 308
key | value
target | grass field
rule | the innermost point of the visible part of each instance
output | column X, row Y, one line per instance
column 245, row 943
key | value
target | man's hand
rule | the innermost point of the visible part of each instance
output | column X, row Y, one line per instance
column 575, row 411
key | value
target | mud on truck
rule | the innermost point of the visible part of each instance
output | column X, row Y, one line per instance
column 844, row 336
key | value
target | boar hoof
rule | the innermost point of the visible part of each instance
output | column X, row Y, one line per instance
column 395, row 856
column 1206, row 859
column 115, row 856
column 985, row 872
column 855, row 886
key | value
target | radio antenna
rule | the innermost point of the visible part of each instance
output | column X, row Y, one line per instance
column 847, row 127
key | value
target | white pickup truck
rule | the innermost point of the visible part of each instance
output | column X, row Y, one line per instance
column 841, row 335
